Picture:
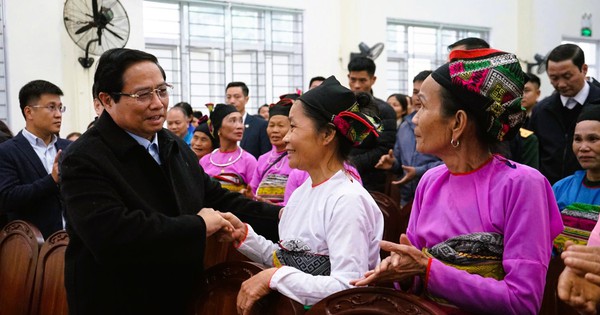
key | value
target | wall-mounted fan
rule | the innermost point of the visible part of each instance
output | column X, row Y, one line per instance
column 540, row 63
column 369, row 52
column 96, row 26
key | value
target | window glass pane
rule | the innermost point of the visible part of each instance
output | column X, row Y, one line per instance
column 161, row 20
column 224, row 42
column 207, row 22
column 414, row 48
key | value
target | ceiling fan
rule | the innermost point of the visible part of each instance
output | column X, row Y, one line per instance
column 96, row 26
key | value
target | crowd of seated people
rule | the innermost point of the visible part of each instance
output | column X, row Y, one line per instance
column 484, row 221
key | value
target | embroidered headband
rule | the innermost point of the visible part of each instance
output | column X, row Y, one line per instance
column 338, row 105
column 489, row 82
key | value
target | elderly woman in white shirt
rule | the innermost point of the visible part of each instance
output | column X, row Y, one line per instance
column 331, row 226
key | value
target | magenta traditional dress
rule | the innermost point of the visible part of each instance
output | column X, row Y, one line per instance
column 232, row 169
column 298, row 177
column 503, row 197
column 271, row 175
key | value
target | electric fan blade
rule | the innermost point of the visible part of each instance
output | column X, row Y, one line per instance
column 116, row 35
column 95, row 10
column 85, row 28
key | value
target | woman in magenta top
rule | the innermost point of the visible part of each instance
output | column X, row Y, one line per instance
column 229, row 164
column 480, row 232
column 272, row 170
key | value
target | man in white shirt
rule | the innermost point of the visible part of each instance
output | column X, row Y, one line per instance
column 29, row 161
column 255, row 139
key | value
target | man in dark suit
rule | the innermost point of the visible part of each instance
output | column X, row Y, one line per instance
column 255, row 139
column 29, row 161
column 138, row 205
column 553, row 119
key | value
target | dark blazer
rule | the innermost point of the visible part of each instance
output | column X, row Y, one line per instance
column 136, row 244
column 557, row 159
column 255, row 139
column 27, row 191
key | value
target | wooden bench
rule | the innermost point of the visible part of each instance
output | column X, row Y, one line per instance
column 19, row 248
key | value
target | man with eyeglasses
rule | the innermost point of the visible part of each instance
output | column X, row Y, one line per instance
column 139, row 206
column 29, row 161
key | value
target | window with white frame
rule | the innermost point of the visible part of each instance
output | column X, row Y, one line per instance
column 204, row 45
column 3, row 97
column 414, row 46
column 591, row 52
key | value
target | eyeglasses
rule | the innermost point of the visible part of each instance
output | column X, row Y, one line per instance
column 145, row 96
column 52, row 108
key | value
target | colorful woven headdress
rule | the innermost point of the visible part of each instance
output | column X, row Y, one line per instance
column 338, row 106
column 489, row 82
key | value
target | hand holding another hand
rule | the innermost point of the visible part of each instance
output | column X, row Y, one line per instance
column 240, row 230
column 215, row 222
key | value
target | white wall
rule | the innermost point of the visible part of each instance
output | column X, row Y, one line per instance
column 38, row 46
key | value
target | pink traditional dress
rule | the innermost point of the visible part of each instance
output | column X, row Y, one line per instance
column 232, row 169
column 271, row 176
column 489, row 233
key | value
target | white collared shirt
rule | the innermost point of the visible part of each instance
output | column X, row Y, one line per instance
column 150, row 146
column 46, row 153
column 580, row 98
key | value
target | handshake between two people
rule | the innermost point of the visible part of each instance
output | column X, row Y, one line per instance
column 225, row 225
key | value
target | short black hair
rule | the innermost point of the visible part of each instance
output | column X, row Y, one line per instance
column 198, row 114
column 111, row 66
column 317, row 78
column 567, row 52
column 32, row 91
column 470, row 43
column 243, row 85
column 421, row 76
column 362, row 64
column 534, row 79
column 186, row 107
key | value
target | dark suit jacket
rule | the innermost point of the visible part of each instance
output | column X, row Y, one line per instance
column 255, row 139
column 27, row 191
column 557, row 159
column 136, row 244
